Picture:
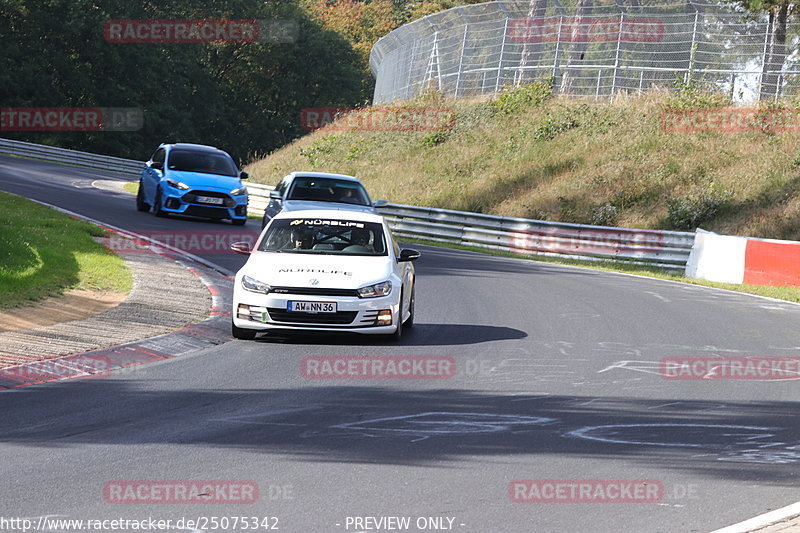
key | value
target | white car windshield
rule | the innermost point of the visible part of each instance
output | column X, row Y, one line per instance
column 324, row 236
column 328, row 190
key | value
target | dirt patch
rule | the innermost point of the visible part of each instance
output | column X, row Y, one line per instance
column 74, row 305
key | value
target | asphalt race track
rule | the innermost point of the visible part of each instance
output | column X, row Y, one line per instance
column 557, row 378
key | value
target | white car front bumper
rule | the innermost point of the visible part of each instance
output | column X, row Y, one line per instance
column 353, row 315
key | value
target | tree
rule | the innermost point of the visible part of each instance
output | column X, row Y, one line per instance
column 579, row 44
column 532, row 51
column 778, row 12
column 243, row 97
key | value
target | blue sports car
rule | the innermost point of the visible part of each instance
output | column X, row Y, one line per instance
column 194, row 180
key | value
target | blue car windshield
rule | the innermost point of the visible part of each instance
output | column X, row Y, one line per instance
column 205, row 162
column 328, row 190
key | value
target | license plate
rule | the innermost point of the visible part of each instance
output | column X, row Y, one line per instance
column 210, row 200
column 311, row 307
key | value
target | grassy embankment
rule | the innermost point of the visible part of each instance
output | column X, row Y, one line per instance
column 44, row 252
column 533, row 156
column 530, row 155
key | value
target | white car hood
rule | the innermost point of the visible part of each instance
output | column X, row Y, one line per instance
column 330, row 271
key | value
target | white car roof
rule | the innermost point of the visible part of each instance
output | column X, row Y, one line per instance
column 302, row 174
column 333, row 214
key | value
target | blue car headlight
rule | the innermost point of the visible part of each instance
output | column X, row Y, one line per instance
column 177, row 184
column 373, row 291
column 238, row 191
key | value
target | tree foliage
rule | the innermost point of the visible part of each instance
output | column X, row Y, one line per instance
column 360, row 23
column 242, row 97
column 779, row 12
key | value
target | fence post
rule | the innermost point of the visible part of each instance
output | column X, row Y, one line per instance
column 410, row 67
column 438, row 65
column 461, row 59
column 764, row 68
column 558, row 52
column 500, row 63
column 434, row 57
column 616, row 56
column 597, row 91
column 693, row 48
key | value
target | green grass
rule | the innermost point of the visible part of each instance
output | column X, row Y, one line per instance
column 44, row 252
column 528, row 154
column 790, row 294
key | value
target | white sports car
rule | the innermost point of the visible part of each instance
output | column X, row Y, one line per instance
column 324, row 270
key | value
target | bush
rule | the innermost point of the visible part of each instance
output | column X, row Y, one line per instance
column 691, row 95
column 516, row 98
column 554, row 126
column 605, row 215
column 435, row 138
column 689, row 212
column 317, row 152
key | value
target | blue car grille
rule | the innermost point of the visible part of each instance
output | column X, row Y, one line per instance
column 206, row 212
column 191, row 198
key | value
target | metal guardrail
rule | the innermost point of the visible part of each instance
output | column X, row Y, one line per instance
column 71, row 157
column 258, row 198
column 665, row 249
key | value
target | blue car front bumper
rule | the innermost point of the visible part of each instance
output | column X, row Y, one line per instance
column 205, row 203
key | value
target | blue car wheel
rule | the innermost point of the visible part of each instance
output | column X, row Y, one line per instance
column 141, row 205
column 157, row 211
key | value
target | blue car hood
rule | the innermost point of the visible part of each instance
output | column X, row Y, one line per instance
column 199, row 180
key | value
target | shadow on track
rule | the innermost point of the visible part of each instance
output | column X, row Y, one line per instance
column 321, row 422
column 420, row 335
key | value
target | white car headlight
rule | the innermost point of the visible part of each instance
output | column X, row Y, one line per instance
column 177, row 184
column 238, row 191
column 252, row 284
column 373, row 291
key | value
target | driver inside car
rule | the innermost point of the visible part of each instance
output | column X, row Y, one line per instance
column 361, row 237
column 301, row 238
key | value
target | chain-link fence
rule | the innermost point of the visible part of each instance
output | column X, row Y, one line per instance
column 592, row 50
